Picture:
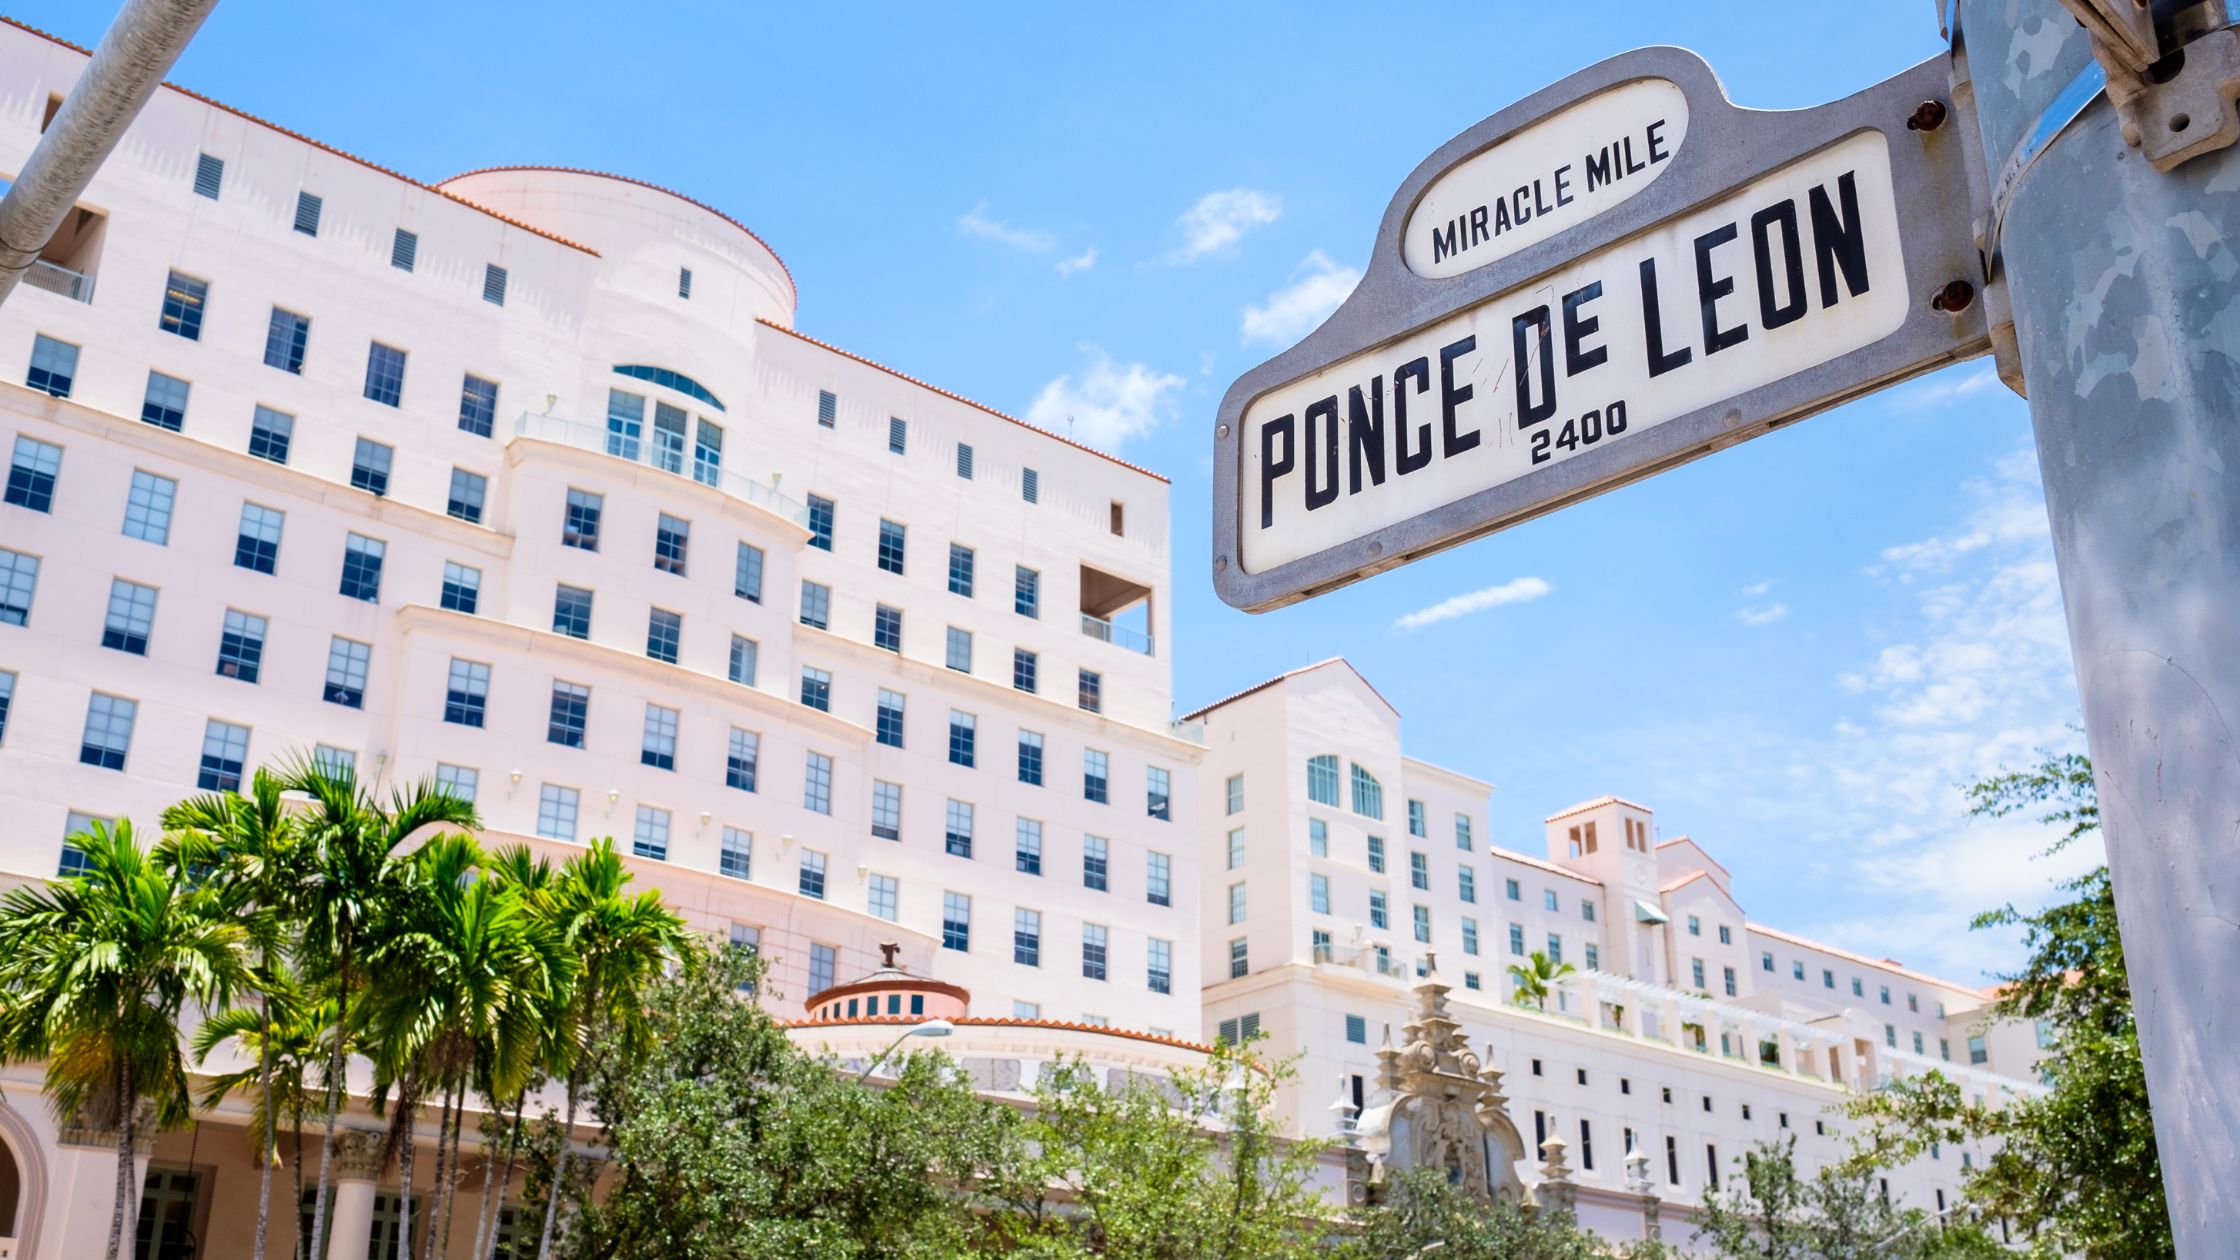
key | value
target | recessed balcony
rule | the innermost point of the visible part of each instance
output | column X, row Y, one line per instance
column 654, row 455
column 58, row 279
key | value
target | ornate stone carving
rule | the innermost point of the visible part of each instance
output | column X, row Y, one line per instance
column 82, row 1130
column 1555, row 1191
column 357, row 1155
column 1440, row 1106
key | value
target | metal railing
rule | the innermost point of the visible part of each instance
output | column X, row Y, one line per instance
column 1098, row 628
column 55, row 278
column 589, row 437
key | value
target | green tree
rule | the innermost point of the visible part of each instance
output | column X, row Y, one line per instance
column 1422, row 1208
column 97, row 970
column 1771, row 1212
column 1537, row 977
column 2076, row 1166
column 533, row 878
column 285, row 1037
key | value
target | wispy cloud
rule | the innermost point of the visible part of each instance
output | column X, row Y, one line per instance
column 1220, row 219
column 1515, row 591
column 978, row 222
column 1291, row 312
column 1761, row 614
column 2008, row 510
column 1108, row 404
column 1945, row 388
column 1079, row 262
column 1755, row 589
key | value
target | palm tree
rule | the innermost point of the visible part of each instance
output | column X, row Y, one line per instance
column 619, row 941
column 1537, row 977
column 532, row 876
column 354, row 839
column 286, row 1034
column 98, row 969
column 259, row 866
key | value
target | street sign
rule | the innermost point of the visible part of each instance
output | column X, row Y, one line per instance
column 1621, row 272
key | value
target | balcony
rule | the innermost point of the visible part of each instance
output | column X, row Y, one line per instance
column 56, row 278
column 1100, row 629
column 589, row 437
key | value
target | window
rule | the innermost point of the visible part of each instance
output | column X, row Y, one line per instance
column 571, row 612
column 478, row 405
column 1695, row 970
column 1913, row 1003
column 462, row 587
column 361, row 567
column 956, row 921
column 165, row 403
column 894, row 543
column 889, row 722
column 742, row 759
column 964, row 739
column 1858, row 987
column 458, row 782
column 1827, row 979
column 898, row 435
column 1978, row 1053
column 32, row 474
column 1240, row 958
column 1096, row 771
column 671, row 539
column 1156, row 793
column 1885, row 995
column 1030, row 758
column 147, row 507
column 225, row 750
column 1322, row 779
column 131, row 617
column 735, row 857
column 579, row 526
column 1466, row 881
column 347, row 662
column 1472, row 980
column 54, row 365
column 1555, row 948
column 1091, row 693
column 957, row 829
column 1095, row 863
column 886, row 810
column 1727, row 978
column 1023, row 665
column 467, row 493
column 1549, row 900
column 1234, row 788
column 556, row 812
column 820, row 522
column 810, row 879
column 183, row 298
column 1890, row 1035
column 1236, row 848
column 108, row 733
column 1470, row 939
column 1158, row 965
column 1026, row 847
column 960, row 570
column 664, row 631
column 1378, row 917
column 270, row 434
column 493, row 284
column 404, row 249
column 1318, row 837
column 885, row 894
column 1094, row 939
column 1417, row 826
column 816, row 688
column 1376, row 854
column 1119, row 519
column 385, row 374
column 1516, row 939
column 1158, row 879
column 824, row 963
column 241, row 646
column 659, row 748
column 1586, row 909
column 1368, row 794
column 369, row 466
column 746, row 580
column 1765, row 960
column 960, row 650
column 964, row 461
column 1026, row 592
column 1462, row 831
column 467, row 694
column 571, row 713
column 209, row 175
column 816, row 605
column 684, row 290
column 308, row 206
column 1030, row 485
column 828, row 408
column 1422, row 917
column 886, row 628
column 1726, row 935
column 1318, row 893
column 650, row 837
column 1419, row 872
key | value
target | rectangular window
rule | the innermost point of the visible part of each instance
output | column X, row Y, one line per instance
column 571, row 612
column 964, row 739
column 1379, row 917
column 684, row 290
column 1594, row 957
column 467, row 695
column 147, row 507
column 131, row 617
column 810, row 880
column 1090, row 694
column 828, row 408
column 960, row 650
column 1422, row 917
column 1240, row 958
column 468, row 491
column 742, row 760
column 1586, row 910
column 1885, row 994
column 816, row 605
column 1419, row 872
column 1765, row 960
column 1023, row 669
column 1827, row 979
column 165, row 403
column 650, row 837
column 672, row 538
column 1158, row 879
column 659, row 748
column 478, row 405
column 820, row 522
column 956, row 922
column 964, row 461
column 270, row 434
column 209, row 175
column 183, row 299
column 1727, row 974
column 1236, row 848
column 257, row 546
column 664, row 633
column 746, row 580
column 1159, row 965
column 1516, row 939
column 108, row 734
column 579, row 526
column 369, row 466
column 462, row 587
column 1376, row 854
column 457, row 782
column 570, row 715
column 404, row 249
column 347, row 662
column 493, row 284
column 1318, row 893
column 816, row 785
column 894, row 541
column 1695, row 972
column 1026, row 847
column 1095, row 863
column 886, row 810
column 1318, row 837
column 898, row 435
column 884, row 898
column 1094, row 940
column 385, row 374
column 241, row 646
column 286, row 338
column 960, row 570
column 746, row 656
column 1030, row 485
column 957, row 829
column 1466, row 882
column 225, row 750
column 361, row 567
column 54, row 366
column 816, row 688
column 1418, row 824
column 1030, row 758
column 735, row 857
column 1026, row 593
column 1549, row 900
column 1096, row 772
column 1157, row 793
column 888, row 726
column 1796, row 969
column 824, row 965
column 1555, row 948
column 886, row 628
column 1470, row 936
column 1462, row 831
column 556, row 812
column 308, row 206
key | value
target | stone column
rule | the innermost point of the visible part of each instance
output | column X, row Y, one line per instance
column 357, row 1163
column 1672, row 1021
column 84, row 1193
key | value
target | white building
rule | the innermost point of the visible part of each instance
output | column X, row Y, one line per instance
column 527, row 482
column 1339, row 868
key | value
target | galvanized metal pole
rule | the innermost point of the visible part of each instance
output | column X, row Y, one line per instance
column 126, row 69
column 2125, row 285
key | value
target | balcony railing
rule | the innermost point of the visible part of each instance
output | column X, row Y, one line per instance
column 1098, row 628
column 55, row 278
column 588, row 437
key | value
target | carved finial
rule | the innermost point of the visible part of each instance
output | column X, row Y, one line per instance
column 887, row 951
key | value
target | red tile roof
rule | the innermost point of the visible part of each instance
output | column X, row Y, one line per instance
column 1294, row 673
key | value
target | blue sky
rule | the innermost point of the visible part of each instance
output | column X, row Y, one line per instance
column 1795, row 650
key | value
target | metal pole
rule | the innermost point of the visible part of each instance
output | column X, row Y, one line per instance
column 138, row 51
column 2127, row 318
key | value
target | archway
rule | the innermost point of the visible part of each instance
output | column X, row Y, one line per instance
column 23, row 1182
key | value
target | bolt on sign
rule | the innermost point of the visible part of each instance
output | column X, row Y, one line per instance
column 1617, row 274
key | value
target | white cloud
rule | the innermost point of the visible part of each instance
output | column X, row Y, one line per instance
column 1516, row 591
column 1220, row 219
column 978, row 222
column 1109, row 404
column 1944, row 388
column 1755, row 589
column 1294, row 311
column 1761, row 614
column 1079, row 262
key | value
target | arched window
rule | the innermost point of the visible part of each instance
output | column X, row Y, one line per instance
column 1368, row 794
column 668, row 379
column 1322, row 779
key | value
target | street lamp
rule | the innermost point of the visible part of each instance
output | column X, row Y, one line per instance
column 930, row 1028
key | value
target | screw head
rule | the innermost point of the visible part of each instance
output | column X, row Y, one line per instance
column 1221, row 431
column 1927, row 116
column 1954, row 297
